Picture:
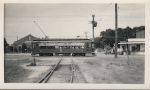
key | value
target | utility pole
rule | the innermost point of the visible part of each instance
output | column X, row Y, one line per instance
column 116, row 27
column 17, row 47
column 17, row 37
column 93, row 16
column 94, row 24
column 85, row 34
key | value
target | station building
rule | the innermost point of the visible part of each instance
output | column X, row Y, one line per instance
column 23, row 44
column 134, row 45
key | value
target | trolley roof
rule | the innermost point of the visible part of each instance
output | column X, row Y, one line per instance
column 63, row 40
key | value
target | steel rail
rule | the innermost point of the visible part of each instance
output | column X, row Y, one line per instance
column 72, row 71
column 49, row 74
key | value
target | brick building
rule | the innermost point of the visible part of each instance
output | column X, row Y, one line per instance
column 23, row 44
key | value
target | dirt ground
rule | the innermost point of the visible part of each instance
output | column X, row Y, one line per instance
column 107, row 70
column 101, row 69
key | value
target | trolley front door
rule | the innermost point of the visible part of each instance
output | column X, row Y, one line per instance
column 60, row 48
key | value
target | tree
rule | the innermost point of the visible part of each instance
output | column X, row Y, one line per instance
column 6, row 46
column 24, row 47
column 108, row 37
column 97, row 42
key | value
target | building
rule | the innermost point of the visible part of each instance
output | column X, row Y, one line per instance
column 140, row 34
column 134, row 45
column 23, row 44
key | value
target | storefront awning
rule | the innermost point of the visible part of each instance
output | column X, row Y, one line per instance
column 132, row 42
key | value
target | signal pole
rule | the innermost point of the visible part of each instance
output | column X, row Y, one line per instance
column 94, row 24
column 116, row 27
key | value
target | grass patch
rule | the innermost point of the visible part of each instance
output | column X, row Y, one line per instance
column 14, row 72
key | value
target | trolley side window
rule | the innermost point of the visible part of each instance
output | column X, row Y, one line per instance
column 42, row 47
column 47, row 47
column 87, row 45
column 50, row 47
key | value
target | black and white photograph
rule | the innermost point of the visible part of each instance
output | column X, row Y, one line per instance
column 74, row 43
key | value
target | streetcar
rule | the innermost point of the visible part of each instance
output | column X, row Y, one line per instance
column 73, row 47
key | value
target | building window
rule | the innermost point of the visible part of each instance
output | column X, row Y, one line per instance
column 138, row 47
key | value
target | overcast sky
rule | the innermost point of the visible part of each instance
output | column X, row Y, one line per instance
column 68, row 20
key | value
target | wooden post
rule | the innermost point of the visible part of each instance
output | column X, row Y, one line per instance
column 116, row 27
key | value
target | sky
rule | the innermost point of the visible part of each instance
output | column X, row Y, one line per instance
column 67, row 20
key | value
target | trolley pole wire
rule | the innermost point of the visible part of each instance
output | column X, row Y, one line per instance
column 40, row 29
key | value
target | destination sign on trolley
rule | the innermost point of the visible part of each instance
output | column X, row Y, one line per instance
column 61, row 44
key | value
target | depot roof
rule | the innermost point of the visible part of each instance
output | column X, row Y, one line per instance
column 134, row 41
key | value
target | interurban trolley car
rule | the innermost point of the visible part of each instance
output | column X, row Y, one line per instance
column 72, row 47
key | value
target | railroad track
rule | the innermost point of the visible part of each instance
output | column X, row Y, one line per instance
column 49, row 74
column 47, row 77
column 73, row 68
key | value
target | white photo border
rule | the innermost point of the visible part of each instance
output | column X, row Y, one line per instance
column 146, row 85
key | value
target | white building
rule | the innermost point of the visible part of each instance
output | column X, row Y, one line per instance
column 134, row 45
